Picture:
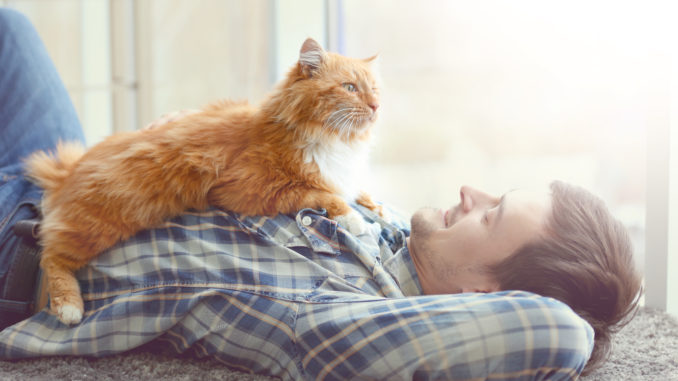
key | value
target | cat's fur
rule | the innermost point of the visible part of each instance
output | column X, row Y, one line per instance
column 297, row 150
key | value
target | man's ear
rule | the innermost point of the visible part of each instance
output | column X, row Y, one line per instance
column 483, row 286
column 310, row 57
column 483, row 290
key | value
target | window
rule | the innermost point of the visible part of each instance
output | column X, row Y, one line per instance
column 500, row 94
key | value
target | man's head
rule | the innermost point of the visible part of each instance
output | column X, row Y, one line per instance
column 585, row 261
column 561, row 243
column 454, row 250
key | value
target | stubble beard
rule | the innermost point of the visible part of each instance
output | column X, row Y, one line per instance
column 420, row 233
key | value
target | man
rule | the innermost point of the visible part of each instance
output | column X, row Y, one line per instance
column 563, row 244
column 298, row 297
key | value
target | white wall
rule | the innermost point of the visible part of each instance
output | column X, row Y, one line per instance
column 661, row 262
column 295, row 21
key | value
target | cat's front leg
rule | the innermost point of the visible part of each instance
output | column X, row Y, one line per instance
column 338, row 210
column 64, row 290
column 353, row 222
column 365, row 200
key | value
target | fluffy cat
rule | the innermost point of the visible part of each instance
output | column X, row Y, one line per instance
column 297, row 150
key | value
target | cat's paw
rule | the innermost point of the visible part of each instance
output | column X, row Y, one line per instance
column 69, row 314
column 386, row 215
column 353, row 222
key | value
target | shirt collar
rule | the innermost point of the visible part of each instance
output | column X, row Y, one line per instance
column 402, row 269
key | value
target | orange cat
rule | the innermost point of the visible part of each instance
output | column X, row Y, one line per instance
column 297, row 150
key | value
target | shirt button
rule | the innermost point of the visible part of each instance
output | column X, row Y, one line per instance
column 306, row 220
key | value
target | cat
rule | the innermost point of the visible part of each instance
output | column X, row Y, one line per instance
column 298, row 149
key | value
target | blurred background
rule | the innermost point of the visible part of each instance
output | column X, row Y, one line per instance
column 493, row 94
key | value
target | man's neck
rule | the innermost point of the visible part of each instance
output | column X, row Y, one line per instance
column 424, row 281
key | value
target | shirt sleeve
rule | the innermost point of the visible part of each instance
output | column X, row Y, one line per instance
column 502, row 336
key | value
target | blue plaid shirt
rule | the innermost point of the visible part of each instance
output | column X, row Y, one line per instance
column 298, row 297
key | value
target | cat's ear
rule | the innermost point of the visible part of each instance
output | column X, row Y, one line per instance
column 374, row 58
column 373, row 61
column 310, row 57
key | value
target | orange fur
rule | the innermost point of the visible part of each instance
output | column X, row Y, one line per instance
column 276, row 158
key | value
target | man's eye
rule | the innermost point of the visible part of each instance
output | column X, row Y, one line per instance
column 349, row 87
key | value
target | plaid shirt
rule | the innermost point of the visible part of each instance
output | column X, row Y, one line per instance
column 298, row 297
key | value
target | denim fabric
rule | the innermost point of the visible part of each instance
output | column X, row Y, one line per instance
column 35, row 113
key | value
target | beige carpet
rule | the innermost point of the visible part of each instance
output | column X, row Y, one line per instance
column 646, row 349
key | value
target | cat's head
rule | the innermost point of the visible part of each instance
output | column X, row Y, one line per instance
column 330, row 95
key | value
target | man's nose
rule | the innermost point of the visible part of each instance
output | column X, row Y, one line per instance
column 471, row 197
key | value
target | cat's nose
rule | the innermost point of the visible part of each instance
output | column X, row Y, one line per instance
column 374, row 106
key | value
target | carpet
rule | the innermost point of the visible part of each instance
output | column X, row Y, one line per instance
column 646, row 349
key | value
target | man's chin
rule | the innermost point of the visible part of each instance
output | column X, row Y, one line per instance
column 428, row 218
column 424, row 221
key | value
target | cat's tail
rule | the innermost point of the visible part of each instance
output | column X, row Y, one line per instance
column 49, row 169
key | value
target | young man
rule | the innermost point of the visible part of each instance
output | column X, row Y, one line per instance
column 298, row 297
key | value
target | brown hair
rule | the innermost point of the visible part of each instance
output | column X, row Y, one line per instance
column 586, row 262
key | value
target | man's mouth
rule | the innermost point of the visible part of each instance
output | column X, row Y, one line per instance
column 450, row 216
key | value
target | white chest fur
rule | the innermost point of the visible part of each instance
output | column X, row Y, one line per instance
column 341, row 164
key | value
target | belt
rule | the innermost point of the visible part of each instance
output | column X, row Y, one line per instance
column 18, row 299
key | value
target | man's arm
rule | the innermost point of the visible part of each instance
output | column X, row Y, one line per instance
column 502, row 336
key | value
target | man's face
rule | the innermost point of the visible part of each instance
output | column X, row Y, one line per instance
column 452, row 249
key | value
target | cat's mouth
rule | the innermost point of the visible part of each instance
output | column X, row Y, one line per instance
column 348, row 123
column 366, row 121
column 367, row 117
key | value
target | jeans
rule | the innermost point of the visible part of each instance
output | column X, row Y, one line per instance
column 35, row 113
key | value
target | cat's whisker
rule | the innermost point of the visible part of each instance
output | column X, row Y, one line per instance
column 354, row 127
column 346, row 119
column 346, row 133
column 340, row 114
column 343, row 131
column 341, row 120
column 348, row 127
column 343, row 109
column 332, row 121
column 335, row 117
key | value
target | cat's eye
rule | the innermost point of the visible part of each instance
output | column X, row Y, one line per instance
column 349, row 87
